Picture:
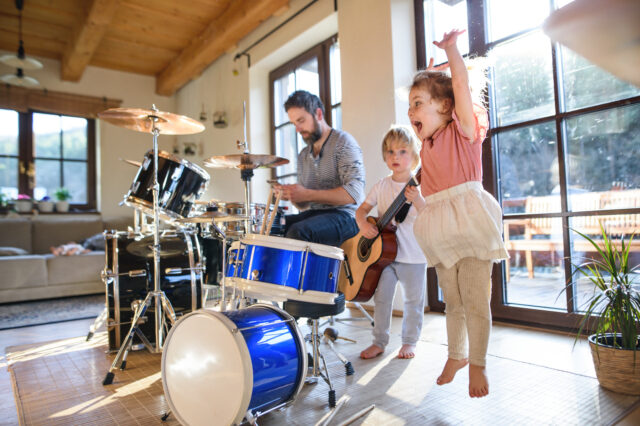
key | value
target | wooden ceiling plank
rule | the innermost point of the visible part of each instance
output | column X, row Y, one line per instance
column 235, row 23
column 86, row 38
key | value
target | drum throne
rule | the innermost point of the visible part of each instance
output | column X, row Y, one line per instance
column 313, row 312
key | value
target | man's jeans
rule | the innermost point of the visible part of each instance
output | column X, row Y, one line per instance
column 328, row 226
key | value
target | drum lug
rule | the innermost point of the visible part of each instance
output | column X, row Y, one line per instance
column 255, row 274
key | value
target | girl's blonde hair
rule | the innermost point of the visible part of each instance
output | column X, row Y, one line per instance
column 404, row 136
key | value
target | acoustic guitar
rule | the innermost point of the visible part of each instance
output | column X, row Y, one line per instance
column 365, row 258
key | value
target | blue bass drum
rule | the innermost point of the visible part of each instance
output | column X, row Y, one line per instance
column 226, row 367
column 283, row 269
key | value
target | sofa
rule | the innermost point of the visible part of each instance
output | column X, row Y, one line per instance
column 28, row 269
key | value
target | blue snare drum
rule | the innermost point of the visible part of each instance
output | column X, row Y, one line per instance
column 223, row 367
column 286, row 269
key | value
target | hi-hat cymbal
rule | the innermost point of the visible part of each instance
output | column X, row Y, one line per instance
column 169, row 246
column 244, row 161
column 142, row 120
column 207, row 217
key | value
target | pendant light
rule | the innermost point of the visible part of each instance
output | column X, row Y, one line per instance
column 20, row 60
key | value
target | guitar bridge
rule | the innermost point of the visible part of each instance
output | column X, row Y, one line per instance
column 347, row 269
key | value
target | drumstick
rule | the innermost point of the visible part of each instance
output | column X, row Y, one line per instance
column 275, row 210
column 266, row 212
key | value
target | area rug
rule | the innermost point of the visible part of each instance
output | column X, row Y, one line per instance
column 25, row 314
column 61, row 383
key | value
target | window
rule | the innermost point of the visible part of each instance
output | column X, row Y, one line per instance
column 41, row 152
column 316, row 71
column 562, row 152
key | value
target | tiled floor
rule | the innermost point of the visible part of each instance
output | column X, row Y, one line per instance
column 536, row 377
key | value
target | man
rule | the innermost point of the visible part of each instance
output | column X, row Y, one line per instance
column 330, row 176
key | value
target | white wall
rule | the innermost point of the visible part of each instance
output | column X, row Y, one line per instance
column 136, row 91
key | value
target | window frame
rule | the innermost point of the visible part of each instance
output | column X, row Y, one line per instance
column 321, row 51
column 25, row 156
column 479, row 46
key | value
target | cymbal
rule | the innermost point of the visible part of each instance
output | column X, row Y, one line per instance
column 142, row 120
column 244, row 161
column 169, row 246
column 207, row 217
column 132, row 162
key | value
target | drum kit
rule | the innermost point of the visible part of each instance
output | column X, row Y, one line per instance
column 248, row 358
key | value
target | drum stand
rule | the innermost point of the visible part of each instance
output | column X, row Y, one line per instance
column 157, row 296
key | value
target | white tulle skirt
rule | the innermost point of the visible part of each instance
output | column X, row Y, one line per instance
column 462, row 221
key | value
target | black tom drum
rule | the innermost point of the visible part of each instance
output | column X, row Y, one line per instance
column 180, row 184
column 129, row 277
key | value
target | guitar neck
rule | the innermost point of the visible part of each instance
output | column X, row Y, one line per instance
column 396, row 205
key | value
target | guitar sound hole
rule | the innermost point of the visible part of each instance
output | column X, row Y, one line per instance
column 363, row 248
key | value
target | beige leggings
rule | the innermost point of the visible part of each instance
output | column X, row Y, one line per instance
column 466, row 287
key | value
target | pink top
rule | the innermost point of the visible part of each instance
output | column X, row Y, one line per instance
column 451, row 158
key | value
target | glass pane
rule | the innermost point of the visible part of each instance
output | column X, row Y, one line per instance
column 522, row 79
column 535, row 271
column 46, row 135
column 47, row 178
column 440, row 16
column 583, row 251
column 336, row 117
column 528, row 160
column 506, row 17
column 287, row 147
column 9, row 177
column 307, row 77
column 603, row 155
column 282, row 87
column 586, row 84
column 74, row 138
column 75, row 180
column 335, row 74
column 8, row 132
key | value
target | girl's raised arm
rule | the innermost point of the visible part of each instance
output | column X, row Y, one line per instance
column 460, row 82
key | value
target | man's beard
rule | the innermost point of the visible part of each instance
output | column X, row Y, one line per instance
column 315, row 135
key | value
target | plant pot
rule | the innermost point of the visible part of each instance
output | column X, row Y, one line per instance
column 62, row 206
column 618, row 370
column 45, row 206
column 23, row 206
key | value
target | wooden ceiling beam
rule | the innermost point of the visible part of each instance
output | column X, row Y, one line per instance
column 240, row 18
column 86, row 38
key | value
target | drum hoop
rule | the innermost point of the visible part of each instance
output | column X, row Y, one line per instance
column 138, row 203
column 246, row 363
column 293, row 245
column 188, row 164
column 281, row 293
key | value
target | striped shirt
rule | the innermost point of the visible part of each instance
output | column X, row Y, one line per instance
column 339, row 164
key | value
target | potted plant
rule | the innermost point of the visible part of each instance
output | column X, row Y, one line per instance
column 23, row 203
column 45, row 205
column 613, row 314
column 3, row 204
column 63, row 196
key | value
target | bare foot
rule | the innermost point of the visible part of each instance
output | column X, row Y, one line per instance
column 450, row 369
column 407, row 351
column 478, row 381
column 371, row 352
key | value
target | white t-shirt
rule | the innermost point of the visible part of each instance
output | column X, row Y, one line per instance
column 382, row 195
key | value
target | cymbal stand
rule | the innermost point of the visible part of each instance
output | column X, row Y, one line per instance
column 246, row 173
column 157, row 296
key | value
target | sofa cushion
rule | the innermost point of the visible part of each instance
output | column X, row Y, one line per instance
column 16, row 233
column 75, row 269
column 52, row 231
column 22, row 272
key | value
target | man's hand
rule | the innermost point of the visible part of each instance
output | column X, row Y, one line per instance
column 295, row 193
